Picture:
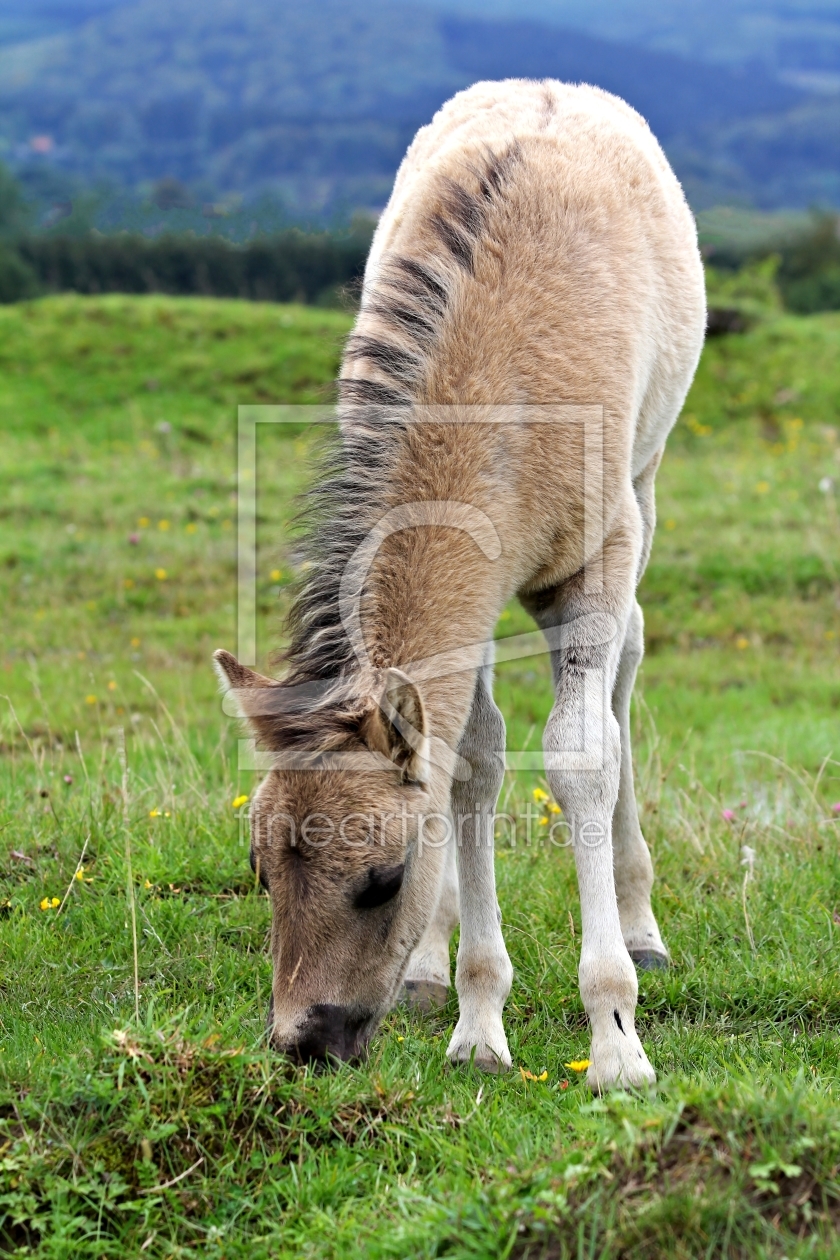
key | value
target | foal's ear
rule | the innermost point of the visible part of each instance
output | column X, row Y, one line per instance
column 236, row 677
column 249, row 692
column 397, row 727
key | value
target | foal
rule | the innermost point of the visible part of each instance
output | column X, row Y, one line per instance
column 532, row 315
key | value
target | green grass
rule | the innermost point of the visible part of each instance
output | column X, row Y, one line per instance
column 178, row 1133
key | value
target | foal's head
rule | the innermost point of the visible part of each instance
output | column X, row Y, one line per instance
column 349, row 851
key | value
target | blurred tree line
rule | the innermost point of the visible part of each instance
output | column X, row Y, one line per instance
column 809, row 271
column 287, row 266
column 17, row 279
column 291, row 265
column 803, row 265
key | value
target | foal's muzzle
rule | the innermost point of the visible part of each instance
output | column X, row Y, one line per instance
column 326, row 1033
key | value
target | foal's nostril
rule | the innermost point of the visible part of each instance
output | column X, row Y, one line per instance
column 329, row 1033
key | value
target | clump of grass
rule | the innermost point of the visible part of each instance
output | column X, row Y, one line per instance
column 156, row 1123
column 700, row 1171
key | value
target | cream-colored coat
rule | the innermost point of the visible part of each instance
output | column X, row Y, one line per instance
column 536, row 261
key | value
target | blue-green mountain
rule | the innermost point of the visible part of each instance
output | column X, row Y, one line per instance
column 319, row 101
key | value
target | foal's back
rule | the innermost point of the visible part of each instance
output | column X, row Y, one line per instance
column 556, row 262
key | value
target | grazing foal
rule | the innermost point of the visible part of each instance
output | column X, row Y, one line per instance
column 532, row 315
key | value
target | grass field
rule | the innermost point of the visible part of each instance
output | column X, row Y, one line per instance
column 172, row 1131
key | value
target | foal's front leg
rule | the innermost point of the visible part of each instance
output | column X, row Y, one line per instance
column 483, row 975
column 583, row 757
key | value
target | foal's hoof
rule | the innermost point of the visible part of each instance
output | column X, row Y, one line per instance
column 486, row 1061
column 649, row 960
column 481, row 1045
column 482, row 1057
column 425, row 995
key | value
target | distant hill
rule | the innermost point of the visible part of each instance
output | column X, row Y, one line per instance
column 791, row 37
column 22, row 20
column 797, row 38
column 320, row 100
column 230, row 94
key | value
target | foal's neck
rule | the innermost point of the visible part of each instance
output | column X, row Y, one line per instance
column 437, row 581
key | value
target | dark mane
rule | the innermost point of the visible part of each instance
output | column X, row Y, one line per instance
column 412, row 297
column 337, row 514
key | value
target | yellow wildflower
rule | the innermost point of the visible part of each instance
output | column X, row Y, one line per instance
column 539, row 795
column 44, row 903
column 578, row 1065
column 742, row 643
column 112, row 686
column 239, row 800
column 154, row 813
column 143, row 522
column 192, row 527
column 80, row 874
column 276, row 575
column 163, row 525
column 90, row 699
column 762, row 487
column 160, row 574
column 529, row 1076
column 135, row 642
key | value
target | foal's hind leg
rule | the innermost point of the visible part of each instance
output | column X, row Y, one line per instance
column 583, row 764
column 631, row 860
column 426, row 983
column 633, row 867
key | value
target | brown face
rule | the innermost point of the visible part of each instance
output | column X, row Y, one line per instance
column 351, row 858
column 351, row 892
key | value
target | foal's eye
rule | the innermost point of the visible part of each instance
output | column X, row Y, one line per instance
column 382, row 883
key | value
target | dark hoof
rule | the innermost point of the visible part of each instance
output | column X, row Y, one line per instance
column 648, row 960
column 425, row 995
